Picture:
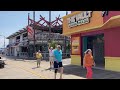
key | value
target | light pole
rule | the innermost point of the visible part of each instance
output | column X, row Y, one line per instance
column 27, row 35
column 49, row 25
column 4, row 42
column 34, row 30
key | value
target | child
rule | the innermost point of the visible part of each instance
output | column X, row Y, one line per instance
column 88, row 62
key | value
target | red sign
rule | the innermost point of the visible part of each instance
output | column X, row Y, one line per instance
column 30, row 32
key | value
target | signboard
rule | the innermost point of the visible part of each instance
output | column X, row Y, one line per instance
column 75, row 45
column 79, row 19
column 38, row 42
column 40, row 36
column 30, row 33
column 59, row 41
column 31, row 42
column 45, row 41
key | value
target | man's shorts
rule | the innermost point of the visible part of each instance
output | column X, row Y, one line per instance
column 57, row 65
column 39, row 60
column 51, row 59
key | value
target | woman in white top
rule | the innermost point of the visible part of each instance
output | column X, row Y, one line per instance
column 51, row 57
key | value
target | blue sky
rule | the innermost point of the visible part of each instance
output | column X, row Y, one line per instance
column 12, row 21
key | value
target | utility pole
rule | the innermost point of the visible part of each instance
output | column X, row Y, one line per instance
column 34, row 30
column 49, row 25
column 27, row 34
column 4, row 45
column 4, row 42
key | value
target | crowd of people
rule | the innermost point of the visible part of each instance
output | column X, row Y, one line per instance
column 55, row 59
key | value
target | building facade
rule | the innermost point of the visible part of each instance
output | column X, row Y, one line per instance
column 18, row 43
column 97, row 30
column 22, row 47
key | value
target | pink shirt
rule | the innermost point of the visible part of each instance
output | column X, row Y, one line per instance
column 50, row 52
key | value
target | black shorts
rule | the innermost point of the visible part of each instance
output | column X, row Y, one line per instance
column 57, row 65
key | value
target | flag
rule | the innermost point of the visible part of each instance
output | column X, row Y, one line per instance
column 30, row 32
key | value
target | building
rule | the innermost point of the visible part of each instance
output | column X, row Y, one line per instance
column 2, row 50
column 18, row 43
column 22, row 43
column 97, row 30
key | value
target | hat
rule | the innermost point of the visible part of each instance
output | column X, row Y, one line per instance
column 51, row 47
column 87, row 50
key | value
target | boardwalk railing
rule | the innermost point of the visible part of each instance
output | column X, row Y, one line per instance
column 22, row 55
column 45, row 55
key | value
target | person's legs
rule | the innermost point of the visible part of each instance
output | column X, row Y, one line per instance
column 55, row 73
column 50, row 62
column 61, row 72
column 56, row 68
column 61, row 69
column 89, row 72
column 37, row 63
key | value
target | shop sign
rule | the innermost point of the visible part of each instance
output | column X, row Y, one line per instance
column 79, row 19
column 31, row 42
column 59, row 41
column 42, row 36
column 45, row 41
column 75, row 45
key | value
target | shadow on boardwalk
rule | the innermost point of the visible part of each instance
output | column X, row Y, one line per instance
column 97, row 73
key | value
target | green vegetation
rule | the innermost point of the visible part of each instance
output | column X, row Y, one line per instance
column 52, row 44
column 68, row 46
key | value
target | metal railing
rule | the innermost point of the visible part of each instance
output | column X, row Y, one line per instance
column 22, row 55
column 45, row 55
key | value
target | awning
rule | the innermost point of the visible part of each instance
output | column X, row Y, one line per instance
column 14, row 45
column 112, row 22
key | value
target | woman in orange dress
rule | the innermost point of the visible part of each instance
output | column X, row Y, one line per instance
column 88, row 62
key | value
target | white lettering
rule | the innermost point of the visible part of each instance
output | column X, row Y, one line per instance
column 79, row 19
column 104, row 13
column 88, row 14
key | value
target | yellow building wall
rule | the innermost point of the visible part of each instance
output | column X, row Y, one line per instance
column 112, row 63
column 76, row 60
column 95, row 21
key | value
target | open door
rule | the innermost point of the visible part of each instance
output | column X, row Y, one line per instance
column 84, row 48
column 98, row 51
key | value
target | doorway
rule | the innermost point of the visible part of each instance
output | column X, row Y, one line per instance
column 96, row 44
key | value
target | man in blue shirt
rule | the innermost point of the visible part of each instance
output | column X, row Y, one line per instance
column 58, row 61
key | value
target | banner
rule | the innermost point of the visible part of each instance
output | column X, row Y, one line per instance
column 30, row 33
column 75, row 45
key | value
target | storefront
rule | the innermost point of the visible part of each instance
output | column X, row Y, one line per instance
column 97, row 30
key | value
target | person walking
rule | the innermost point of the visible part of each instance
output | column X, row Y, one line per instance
column 51, row 57
column 88, row 62
column 58, row 61
column 39, row 58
